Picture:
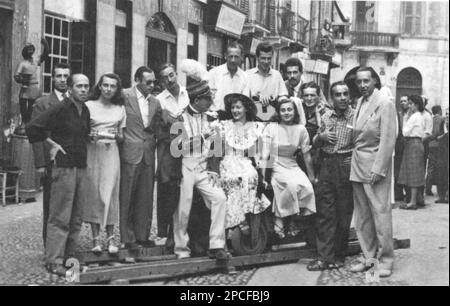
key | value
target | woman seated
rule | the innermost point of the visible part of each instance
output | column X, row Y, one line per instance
column 293, row 191
column 239, row 178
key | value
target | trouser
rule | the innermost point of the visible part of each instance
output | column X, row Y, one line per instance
column 215, row 200
column 26, row 108
column 399, row 190
column 373, row 221
column 65, row 213
column 168, row 199
column 46, row 185
column 136, row 202
column 334, row 208
column 433, row 168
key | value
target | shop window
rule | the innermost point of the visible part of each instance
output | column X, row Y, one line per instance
column 57, row 32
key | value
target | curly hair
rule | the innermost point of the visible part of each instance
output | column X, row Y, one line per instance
column 418, row 102
column 248, row 104
column 118, row 98
column 277, row 117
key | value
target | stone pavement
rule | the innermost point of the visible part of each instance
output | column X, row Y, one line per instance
column 425, row 263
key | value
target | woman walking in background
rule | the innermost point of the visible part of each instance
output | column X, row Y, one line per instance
column 108, row 119
column 412, row 170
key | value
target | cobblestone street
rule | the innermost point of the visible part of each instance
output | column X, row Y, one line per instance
column 425, row 263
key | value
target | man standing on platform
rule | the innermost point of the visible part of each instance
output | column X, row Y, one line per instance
column 334, row 190
column 68, row 125
column 41, row 150
column 137, row 154
column 228, row 78
column 174, row 100
column 374, row 138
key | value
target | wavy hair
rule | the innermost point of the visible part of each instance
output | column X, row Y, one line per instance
column 277, row 117
column 118, row 98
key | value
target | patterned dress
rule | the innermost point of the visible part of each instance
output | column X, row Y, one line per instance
column 238, row 175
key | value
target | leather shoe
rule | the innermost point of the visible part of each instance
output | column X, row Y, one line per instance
column 318, row 265
column 358, row 268
column 131, row 246
column 441, row 201
column 384, row 273
column 146, row 244
column 56, row 269
column 218, row 254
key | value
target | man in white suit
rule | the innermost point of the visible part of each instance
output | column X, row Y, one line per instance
column 371, row 170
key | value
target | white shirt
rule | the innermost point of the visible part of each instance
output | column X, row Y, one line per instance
column 414, row 126
column 268, row 85
column 297, row 89
column 221, row 81
column 60, row 95
column 428, row 121
column 174, row 106
column 143, row 106
column 365, row 105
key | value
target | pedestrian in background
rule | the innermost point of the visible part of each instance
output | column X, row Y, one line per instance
column 433, row 157
column 108, row 119
column 443, row 163
column 412, row 170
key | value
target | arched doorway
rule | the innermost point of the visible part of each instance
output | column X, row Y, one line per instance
column 350, row 80
column 409, row 82
column 161, row 41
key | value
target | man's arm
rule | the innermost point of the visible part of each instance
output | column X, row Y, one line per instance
column 37, row 130
column 39, row 147
column 383, row 159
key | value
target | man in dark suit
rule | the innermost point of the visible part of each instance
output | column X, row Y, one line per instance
column 400, row 194
column 41, row 150
column 294, row 72
column 137, row 155
column 433, row 157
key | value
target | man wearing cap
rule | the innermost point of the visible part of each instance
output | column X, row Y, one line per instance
column 199, row 171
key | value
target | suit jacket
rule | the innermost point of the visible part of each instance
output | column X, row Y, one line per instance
column 139, row 141
column 41, row 150
column 374, row 137
column 438, row 130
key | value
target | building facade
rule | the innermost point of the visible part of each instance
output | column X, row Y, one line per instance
column 406, row 42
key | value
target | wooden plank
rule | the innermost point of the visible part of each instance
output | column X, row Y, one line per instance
column 88, row 258
column 172, row 268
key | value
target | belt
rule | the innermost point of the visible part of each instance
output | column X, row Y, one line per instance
column 413, row 138
column 336, row 155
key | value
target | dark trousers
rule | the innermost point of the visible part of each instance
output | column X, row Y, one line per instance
column 334, row 208
column 26, row 108
column 168, row 199
column 47, row 187
column 136, row 202
column 67, row 198
column 433, row 168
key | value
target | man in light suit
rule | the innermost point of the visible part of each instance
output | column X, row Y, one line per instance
column 41, row 150
column 371, row 171
column 137, row 154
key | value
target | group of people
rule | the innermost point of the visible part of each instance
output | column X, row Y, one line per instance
column 101, row 151
column 421, row 153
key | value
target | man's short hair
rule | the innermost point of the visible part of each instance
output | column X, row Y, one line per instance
column 368, row 69
column 60, row 65
column 164, row 67
column 70, row 80
column 404, row 97
column 235, row 45
column 437, row 109
column 336, row 84
column 294, row 62
column 310, row 85
column 140, row 73
column 264, row 47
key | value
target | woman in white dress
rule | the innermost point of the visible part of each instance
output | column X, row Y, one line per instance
column 293, row 189
column 108, row 119
column 238, row 174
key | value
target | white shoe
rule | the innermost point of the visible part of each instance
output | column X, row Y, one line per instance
column 183, row 255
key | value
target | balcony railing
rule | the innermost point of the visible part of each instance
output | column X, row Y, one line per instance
column 364, row 39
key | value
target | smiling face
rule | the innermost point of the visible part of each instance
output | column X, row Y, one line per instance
column 108, row 88
column 238, row 111
column 366, row 83
column 147, row 83
column 310, row 97
column 287, row 113
column 341, row 97
column 265, row 60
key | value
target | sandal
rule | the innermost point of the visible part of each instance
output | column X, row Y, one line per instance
column 279, row 228
column 112, row 248
column 97, row 249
